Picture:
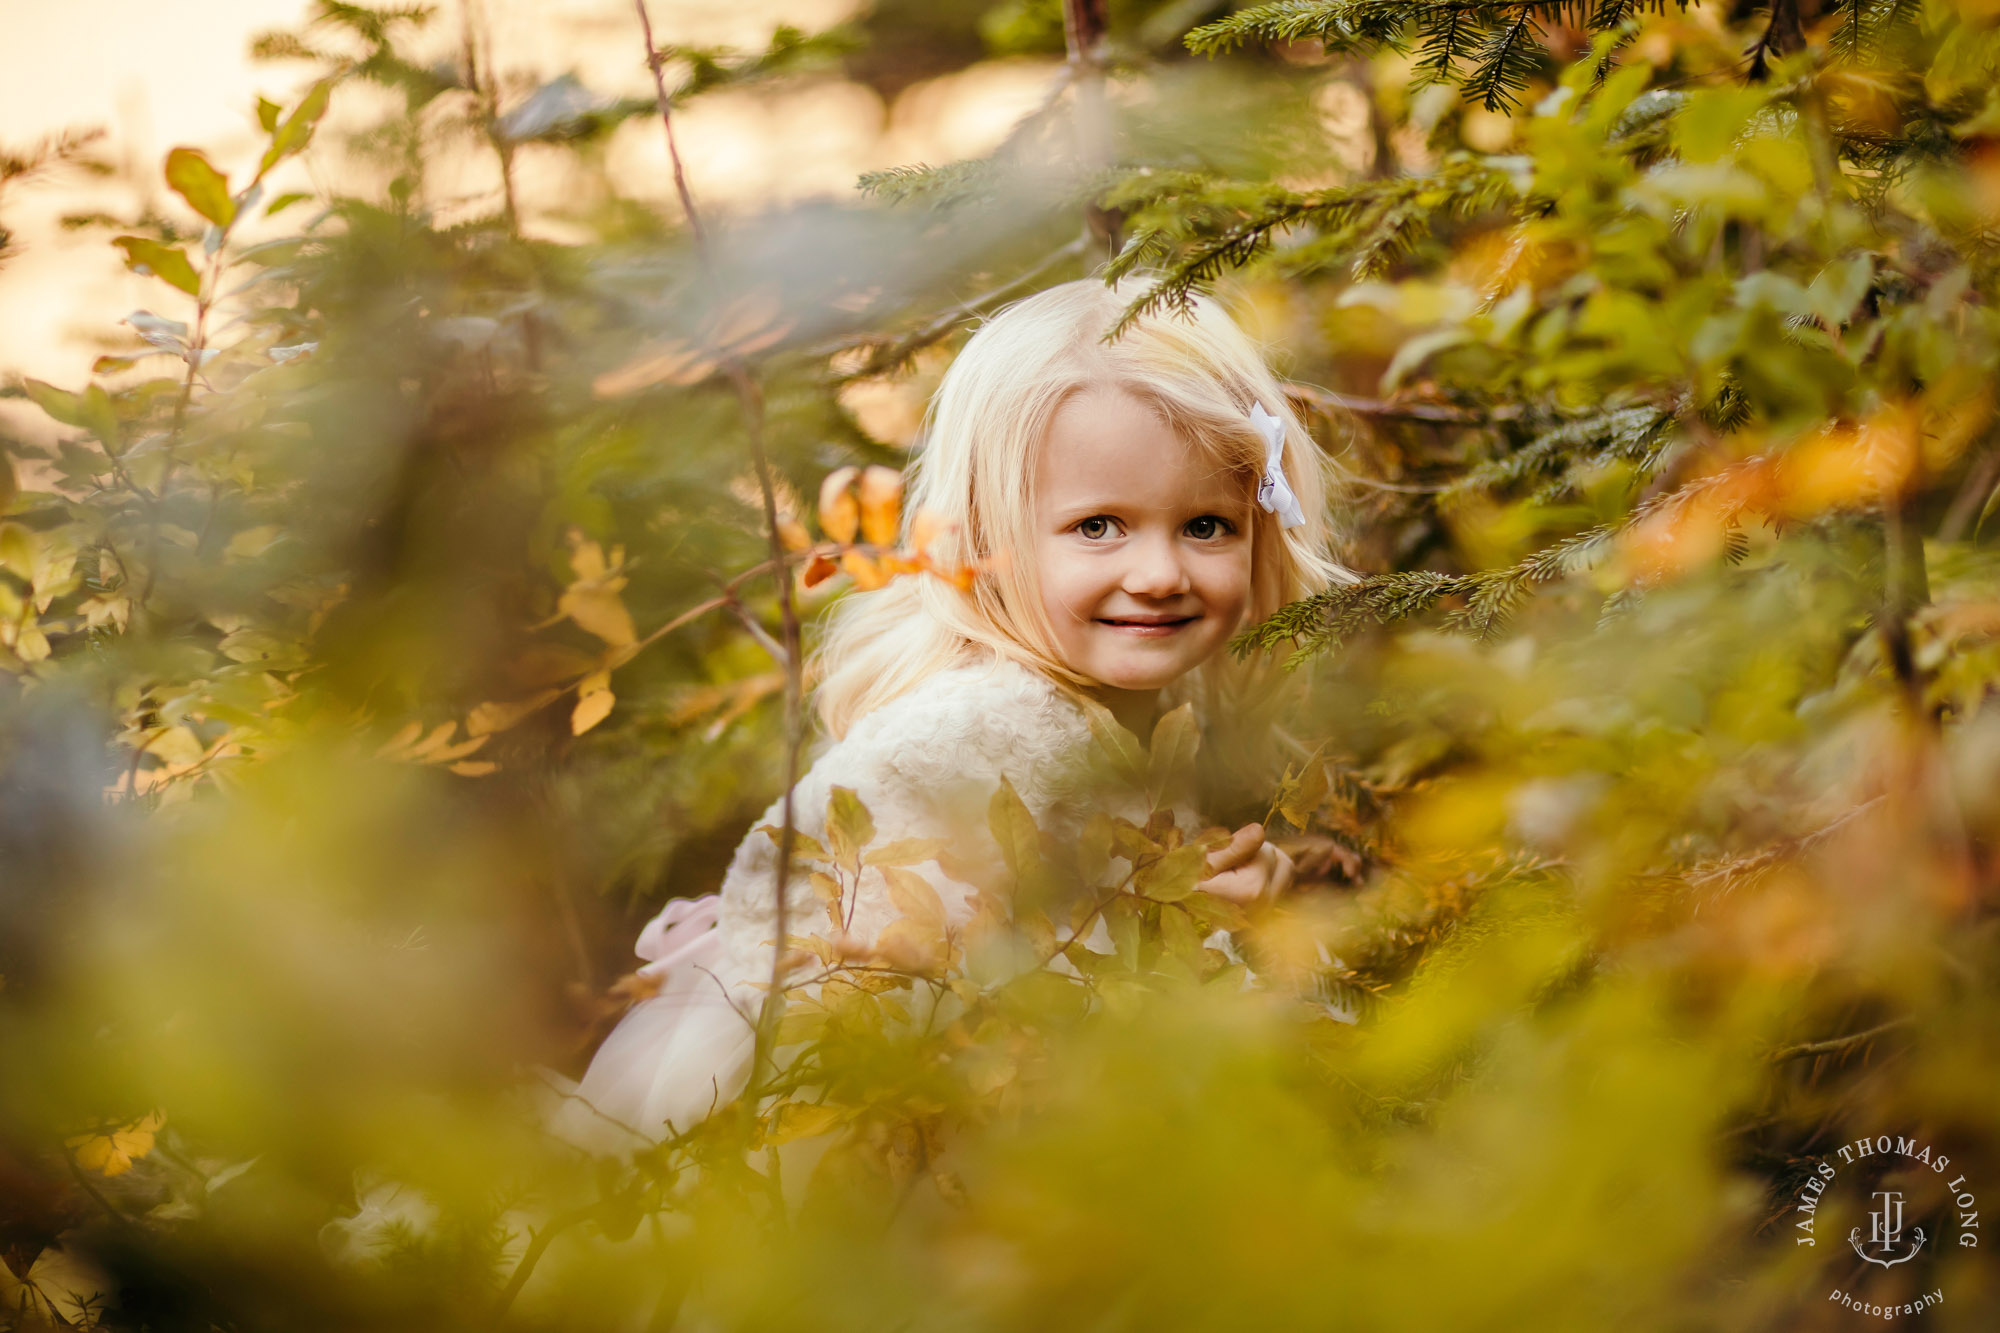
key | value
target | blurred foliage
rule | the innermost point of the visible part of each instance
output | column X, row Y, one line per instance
column 390, row 626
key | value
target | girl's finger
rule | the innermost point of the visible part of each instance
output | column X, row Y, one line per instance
column 1242, row 849
column 1239, row 886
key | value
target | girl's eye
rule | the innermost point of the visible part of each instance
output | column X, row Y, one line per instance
column 1095, row 527
column 1207, row 527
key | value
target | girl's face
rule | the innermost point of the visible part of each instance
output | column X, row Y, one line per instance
column 1143, row 550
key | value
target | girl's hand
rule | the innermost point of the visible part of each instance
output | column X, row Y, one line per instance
column 1249, row 870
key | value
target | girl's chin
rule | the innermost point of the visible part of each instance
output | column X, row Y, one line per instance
column 1140, row 679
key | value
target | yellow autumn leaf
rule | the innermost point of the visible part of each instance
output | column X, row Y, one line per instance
column 31, row 645
column 474, row 768
column 591, row 709
column 177, row 746
column 113, row 1154
column 881, row 504
column 597, row 608
column 912, row 946
column 915, row 898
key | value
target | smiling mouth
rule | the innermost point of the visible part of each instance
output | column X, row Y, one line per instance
column 1147, row 625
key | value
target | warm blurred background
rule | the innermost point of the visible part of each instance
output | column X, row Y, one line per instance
column 414, row 530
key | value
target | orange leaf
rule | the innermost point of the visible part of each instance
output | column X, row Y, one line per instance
column 819, row 571
column 113, row 1154
column 866, row 574
column 839, row 515
column 881, row 504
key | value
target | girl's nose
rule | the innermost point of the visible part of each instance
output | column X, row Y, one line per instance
column 1155, row 569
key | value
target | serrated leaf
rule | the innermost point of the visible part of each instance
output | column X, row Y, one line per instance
column 1173, row 876
column 915, row 897
column 849, row 828
column 1013, row 827
column 1121, row 923
column 196, row 180
column 1128, row 759
column 1093, row 849
column 827, row 889
column 905, row 852
column 1301, row 795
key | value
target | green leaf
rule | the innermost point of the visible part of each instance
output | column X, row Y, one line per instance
column 1128, row 760
column 284, row 201
column 61, row 404
column 296, row 130
column 849, row 827
column 165, row 261
column 1176, row 740
column 1174, row 876
column 267, row 114
column 196, row 180
column 1014, row 829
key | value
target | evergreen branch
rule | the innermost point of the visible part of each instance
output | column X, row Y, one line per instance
column 1327, row 619
column 1629, row 433
column 1375, row 222
column 1340, row 24
column 975, row 181
column 1446, row 39
column 1509, row 58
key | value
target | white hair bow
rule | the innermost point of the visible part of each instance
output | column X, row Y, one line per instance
column 1274, row 492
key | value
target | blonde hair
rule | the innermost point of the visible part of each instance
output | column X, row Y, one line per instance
column 976, row 467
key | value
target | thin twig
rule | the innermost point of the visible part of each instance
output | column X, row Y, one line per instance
column 750, row 399
column 1837, row 1045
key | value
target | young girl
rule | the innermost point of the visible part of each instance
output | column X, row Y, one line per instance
column 1130, row 505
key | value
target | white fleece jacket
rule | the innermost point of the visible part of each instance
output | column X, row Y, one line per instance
column 925, row 765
